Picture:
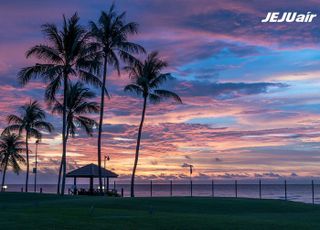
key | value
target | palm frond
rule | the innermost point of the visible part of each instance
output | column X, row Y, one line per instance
column 160, row 79
column 87, row 124
column 134, row 88
column 168, row 94
column 131, row 47
column 92, row 79
column 43, row 125
column 154, row 98
column 14, row 119
column 51, row 32
column 44, row 71
column 52, row 89
column 11, row 128
column 87, row 107
column 46, row 53
column 32, row 132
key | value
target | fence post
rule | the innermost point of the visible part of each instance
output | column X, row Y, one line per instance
column 21, row 189
column 151, row 188
column 236, row 187
column 285, row 189
column 40, row 190
column 212, row 188
column 114, row 185
column 260, row 189
column 121, row 192
column 191, row 188
column 171, row 188
column 312, row 187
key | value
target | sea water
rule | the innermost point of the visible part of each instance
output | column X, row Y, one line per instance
column 295, row 192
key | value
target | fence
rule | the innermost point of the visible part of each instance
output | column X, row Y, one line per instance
column 293, row 191
column 307, row 192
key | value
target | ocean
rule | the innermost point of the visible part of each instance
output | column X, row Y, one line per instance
column 293, row 192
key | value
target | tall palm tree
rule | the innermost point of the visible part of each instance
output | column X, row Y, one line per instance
column 10, row 154
column 111, row 33
column 31, row 121
column 77, row 107
column 67, row 53
column 147, row 78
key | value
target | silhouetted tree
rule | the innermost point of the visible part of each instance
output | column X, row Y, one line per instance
column 111, row 32
column 10, row 154
column 147, row 78
column 31, row 121
column 77, row 106
column 68, row 52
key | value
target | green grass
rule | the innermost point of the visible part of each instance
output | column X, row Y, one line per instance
column 40, row 211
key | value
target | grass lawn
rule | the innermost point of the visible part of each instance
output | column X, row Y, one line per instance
column 42, row 211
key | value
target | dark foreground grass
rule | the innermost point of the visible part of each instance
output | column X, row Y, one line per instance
column 40, row 211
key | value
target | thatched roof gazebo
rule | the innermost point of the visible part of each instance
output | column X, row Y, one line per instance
column 91, row 171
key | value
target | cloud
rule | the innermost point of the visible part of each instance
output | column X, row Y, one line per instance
column 270, row 174
column 222, row 91
column 154, row 162
column 233, row 175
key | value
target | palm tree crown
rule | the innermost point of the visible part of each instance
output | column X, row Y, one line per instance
column 68, row 52
column 31, row 121
column 10, row 154
column 77, row 107
column 147, row 78
column 111, row 32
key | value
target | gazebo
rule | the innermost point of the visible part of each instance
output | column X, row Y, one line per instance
column 91, row 171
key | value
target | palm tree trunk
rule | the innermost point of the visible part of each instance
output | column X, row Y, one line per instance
column 101, row 121
column 138, row 146
column 4, row 176
column 59, row 177
column 64, row 143
column 27, row 156
column 63, row 159
column 64, row 170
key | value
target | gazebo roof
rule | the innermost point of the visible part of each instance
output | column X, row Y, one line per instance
column 91, row 170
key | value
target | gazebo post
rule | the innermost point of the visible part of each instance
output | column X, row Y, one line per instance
column 74, row 185
column 91, row 185
column 107, row 184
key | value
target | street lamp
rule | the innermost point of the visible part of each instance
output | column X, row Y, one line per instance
column 106, row 158
column 35, row 169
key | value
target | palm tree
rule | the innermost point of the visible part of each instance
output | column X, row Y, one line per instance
column 10, row 154
column 147, row 78
column 32, row 122
column 67, row 53
column 111, row 33
column 78, row 106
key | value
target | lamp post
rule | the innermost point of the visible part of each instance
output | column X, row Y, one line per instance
column 35, row 169
column 106, row 158
column 190, row 168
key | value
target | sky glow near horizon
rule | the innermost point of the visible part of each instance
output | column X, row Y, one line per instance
column 251, row 90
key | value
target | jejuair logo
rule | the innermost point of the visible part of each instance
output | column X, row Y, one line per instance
column 289, row 17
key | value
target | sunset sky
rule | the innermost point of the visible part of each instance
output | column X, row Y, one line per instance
column 250, row 90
